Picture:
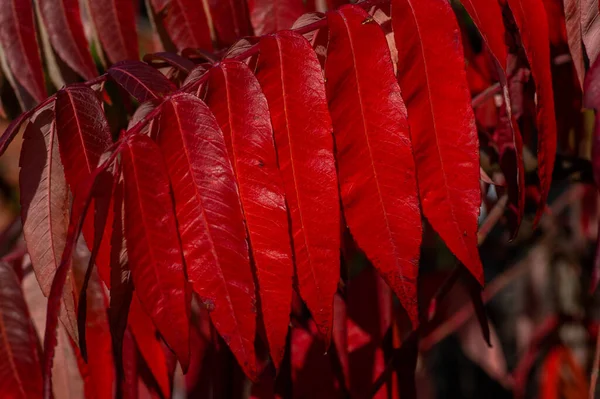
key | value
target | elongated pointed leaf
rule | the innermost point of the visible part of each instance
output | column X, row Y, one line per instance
column 11, row 131
column 20, row 370
column 292, row 80
column 236, row 99
column 530, row 17
column 62, row 19
column 374, row 154
column 141, row 80
column 574, row 35
column 83, row 135
column 20, row 46
column 590, row 28
column 269, row 16
column 186, row 24
column 45, row 208
column 176, row 61
column 487, row 16
column 114, row 20
column 153, row 249
column 230, row 19
column 210, row 221
column 441, row 122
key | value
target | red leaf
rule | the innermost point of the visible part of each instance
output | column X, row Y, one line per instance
column 83, row 135
column 153, row 249
column 20, row 46
column 186, row 24
column 574, row 35
column 141, row 80
column 441, row 122
column 148, row 344
column 62, row 19
column 236, row 99
column 530, row 17
column 230, row 19
column 44, row 207
column 292, row 80
column 487, row 16
column 380, row 198
column 269, row 16
column 20, row 373
column 590, row 29
column 210, row 221
column 114, row 20
column 176, row 61
column 11, row 131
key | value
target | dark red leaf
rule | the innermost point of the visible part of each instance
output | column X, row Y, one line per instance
column 20, row 371
column 236, row 99
column 380, row 198
column 141, row 80
column 269, row 16
column 530, row 17
column 62, row 19
column 153, row 247
column 177, row 61
column 148, row 344
column 487, row 16
column 45, row 207
column 20, row 46
column 115, row 23
column 210, row 221
column 83, row 135
column 11, row 131
column 292, row 80
column 441, row 122
column 186, row 23
column 230, row 19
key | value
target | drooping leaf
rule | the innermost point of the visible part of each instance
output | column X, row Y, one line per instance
column 20, row 46
column 176, row 61
column 590, row 28
column 115, row 23
column 374, row 155
column 574, row 35
column 11, row 131
column 45, row 207
column 230, row 19
column 530, row 17
column 62, row 19
column 487, row 16
column 153, row 247
column 269, row 16
column 141, row 80
column 441, row 123
column 148, row 344
column 83, row 135
column 292, row 80
column 186, row 23
column 236, row 99
column 20, row 371
column 210, row 221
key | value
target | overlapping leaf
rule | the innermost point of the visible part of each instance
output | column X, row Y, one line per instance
column 230, row 19
column 210, row 221
column 292, row 80
column 374, row 155
column 240, row 107
column 115, row 23
column 269, row 16
column 441, row 122
column 141, row 80
column 153, row 247
column 20, row 46
column 530, row 17
column 20, row 371
column 186, row 23
column 62, row 20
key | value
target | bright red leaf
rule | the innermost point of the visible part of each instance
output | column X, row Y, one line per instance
column 269, row 16
column 153, row 247
column 374, row 155
column 236, row 99
column 210, row 221
column 291, row 78
column 441, row 122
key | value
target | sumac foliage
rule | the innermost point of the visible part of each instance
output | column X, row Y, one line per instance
column 262, row 186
